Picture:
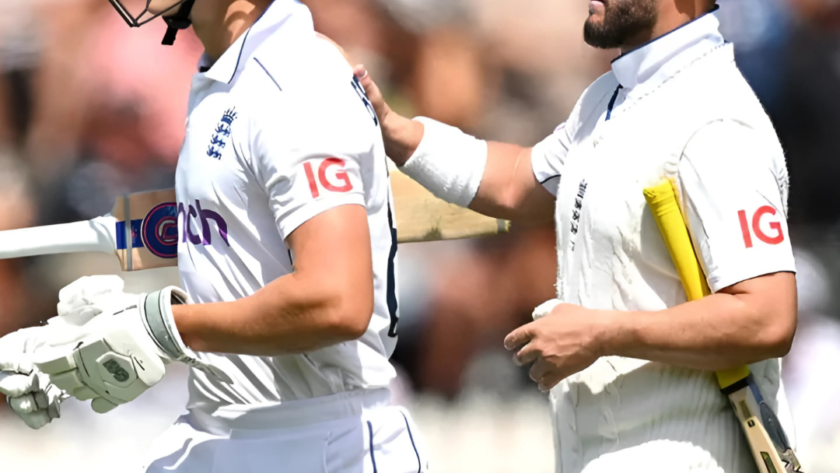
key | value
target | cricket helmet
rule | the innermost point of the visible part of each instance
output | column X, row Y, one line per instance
column 179, row 21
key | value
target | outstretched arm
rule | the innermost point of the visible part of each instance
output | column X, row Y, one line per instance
column 507, row 187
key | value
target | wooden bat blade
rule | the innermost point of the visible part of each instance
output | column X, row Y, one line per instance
column 142, row 229
column 762, row 447
column 423, row 217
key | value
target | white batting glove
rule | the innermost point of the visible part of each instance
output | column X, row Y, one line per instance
column 129, row 340
column 89, row 296
column 29, row 393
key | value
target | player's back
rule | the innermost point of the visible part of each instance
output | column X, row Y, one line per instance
column 279, row 131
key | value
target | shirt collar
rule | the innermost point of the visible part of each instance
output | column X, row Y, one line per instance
column 658, row 59
column 281, row 15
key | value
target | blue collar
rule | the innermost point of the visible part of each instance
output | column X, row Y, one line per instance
column 655, row 61
column 285, row 15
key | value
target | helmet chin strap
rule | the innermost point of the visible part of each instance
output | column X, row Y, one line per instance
column 178, row 21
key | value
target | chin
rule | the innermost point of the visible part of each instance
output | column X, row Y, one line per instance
column 157, row 7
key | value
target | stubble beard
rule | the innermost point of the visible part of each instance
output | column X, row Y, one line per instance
column 623, row 20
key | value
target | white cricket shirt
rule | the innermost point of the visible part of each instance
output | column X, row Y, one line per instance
column 674, row 108
column 278, row 132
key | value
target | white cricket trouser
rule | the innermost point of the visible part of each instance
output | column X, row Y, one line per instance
column 352, row 432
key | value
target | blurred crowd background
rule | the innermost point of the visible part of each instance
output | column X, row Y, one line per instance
column 90, row 109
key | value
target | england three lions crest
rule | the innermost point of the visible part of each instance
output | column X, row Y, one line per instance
column 221, row 134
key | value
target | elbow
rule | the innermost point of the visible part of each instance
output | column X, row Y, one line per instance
column 349, row 316
column 778, row 337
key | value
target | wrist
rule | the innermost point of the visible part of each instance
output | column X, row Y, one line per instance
column 610, row 332
column 159, row 320
column 402, row 137
column 448, row 162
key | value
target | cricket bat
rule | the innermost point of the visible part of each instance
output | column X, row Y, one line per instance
column 766, row 437
column 142, row 228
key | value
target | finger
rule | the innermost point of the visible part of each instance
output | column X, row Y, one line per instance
column 372, row 91
column 25, row 404
column 41, row 401
column 88, row 287
column 360, row 71
column 68, row 382
column 539, row 370
column 54, row 411
column 550, row 380
column 36, row 420
column 84, row 393
column 54, row 363
column 14, row 384
column 519, row 337
column 15, row 362
column 76, row 317
column 102, row 405
column 528, row 354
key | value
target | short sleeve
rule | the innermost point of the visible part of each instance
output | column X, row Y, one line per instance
column 548, row 157
column 310, row 167
column 734, row 185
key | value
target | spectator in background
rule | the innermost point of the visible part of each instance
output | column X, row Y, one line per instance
column 20, row 51
column 121, row 129
column 761, row 31
column 808, row 115
column 16, row 211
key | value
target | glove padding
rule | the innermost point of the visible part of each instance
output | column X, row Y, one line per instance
column 28, row 391
column 126, row 349
column 37, row 406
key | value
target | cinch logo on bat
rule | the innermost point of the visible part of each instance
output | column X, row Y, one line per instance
column 203, row 217
column 775, row 238
column 158, row 231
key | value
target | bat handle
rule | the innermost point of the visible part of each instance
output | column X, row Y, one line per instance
column 97, row 235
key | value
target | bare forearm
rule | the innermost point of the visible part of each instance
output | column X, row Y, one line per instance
column 509, row 189
column 718, row 332
column 287, row 316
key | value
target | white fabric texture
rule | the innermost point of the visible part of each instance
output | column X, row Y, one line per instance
column 348, row 432
column 448, row 162
column 279, row 132
column 676, row 108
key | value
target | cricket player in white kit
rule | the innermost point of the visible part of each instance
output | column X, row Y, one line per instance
column 629, row 363
column 288, row 313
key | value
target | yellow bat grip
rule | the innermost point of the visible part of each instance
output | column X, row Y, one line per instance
column 663, row 203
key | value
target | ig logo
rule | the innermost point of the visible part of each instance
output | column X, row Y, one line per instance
column 160, row 230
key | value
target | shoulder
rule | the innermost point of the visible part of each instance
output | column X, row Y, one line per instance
column 304, row 83
column 593, row 100
column 720, row 94
column 310, row 66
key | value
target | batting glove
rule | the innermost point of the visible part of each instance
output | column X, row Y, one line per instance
column 28, row 391
column 125, row 350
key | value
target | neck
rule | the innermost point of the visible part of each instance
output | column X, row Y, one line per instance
column 218, row 29
column 670, row 16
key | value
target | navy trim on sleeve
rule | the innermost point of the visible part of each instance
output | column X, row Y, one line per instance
column 548, row 179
